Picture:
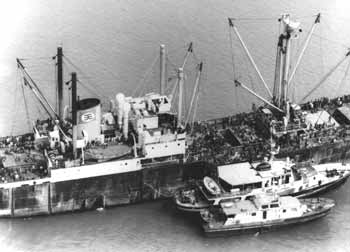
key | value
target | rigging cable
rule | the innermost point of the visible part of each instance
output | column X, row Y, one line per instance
column 195, row 91
column 92, row 87
column 195, row 110
column 175, row 87
column 142, row 83
column 26, row 107
column 344, row 77
column 325, row 77
column 234, row 68
column 42, row 98
column 172, row 77
column 15, row 103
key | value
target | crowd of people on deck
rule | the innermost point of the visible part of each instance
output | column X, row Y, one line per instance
column 23, row 165
column 211, row 141
column 21, row 173
column 325, row 102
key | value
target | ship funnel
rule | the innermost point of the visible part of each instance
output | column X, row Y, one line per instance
column 126, row 110
column 120, row 99
column 89, row 119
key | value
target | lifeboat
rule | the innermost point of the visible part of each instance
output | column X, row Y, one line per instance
column 211, row 186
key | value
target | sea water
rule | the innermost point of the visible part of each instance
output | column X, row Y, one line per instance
column 113, row 46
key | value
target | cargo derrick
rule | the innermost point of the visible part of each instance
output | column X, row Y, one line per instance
column 315, row 130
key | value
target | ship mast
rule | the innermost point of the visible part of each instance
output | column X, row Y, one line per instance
column 60, row 82
column 181, row 85
column 74, row 113
column 290, row 28
column 163, row 78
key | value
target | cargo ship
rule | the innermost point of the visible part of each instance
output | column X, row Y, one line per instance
column 141, row 149
column 88, row 159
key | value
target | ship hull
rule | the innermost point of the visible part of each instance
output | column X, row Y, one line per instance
column 155, row 181
column 335, row 152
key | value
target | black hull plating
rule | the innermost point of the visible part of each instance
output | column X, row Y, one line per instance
column 321, row 154
column 150, row 183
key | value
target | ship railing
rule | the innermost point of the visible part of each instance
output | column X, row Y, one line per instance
column 317, row 202
column 22, row 172
column 290, row 127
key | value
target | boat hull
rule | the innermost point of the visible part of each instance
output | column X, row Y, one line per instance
column 263, row 227
column 321, row 189
column 318, row 190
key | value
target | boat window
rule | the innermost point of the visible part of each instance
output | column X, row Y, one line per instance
column 251, row 197
column 264, row 206
column 284, row 210
column 274, row 205
column 287, row 178
column 267, row 184
column 254, row 214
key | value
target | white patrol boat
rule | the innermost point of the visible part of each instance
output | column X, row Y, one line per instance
column 262, row 212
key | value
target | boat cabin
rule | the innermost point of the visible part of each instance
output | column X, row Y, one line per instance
column 260, row 208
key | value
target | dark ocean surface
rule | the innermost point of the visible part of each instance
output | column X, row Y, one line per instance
column 113, row 45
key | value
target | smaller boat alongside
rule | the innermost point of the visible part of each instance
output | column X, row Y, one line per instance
column 239, row 181
column 199, row 195
column 262, row 212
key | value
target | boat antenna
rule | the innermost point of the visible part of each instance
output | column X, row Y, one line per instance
column 231, row 24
